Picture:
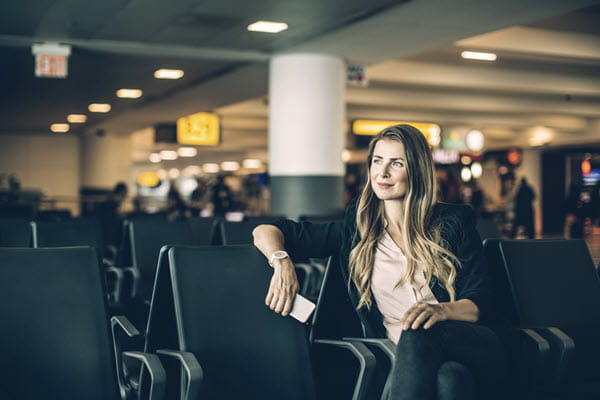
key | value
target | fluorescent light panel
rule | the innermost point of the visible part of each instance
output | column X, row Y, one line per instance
column 59, row 128
column 129, row 93
column 168, row 73
column 477, row 55
column 210, row 168
column 168, row 155
column 99, row 107
column 155, row 158
column 187, row 152
column 77, row 118
column 267, row 26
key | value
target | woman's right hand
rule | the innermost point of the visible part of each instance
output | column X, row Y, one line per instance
column 283, row 288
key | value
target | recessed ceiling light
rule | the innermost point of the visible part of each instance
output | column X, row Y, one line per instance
column 477, row 55
column 267, row 26
column 168, row 155
column 252, row 163
column 230, row 165
column 168, row 73
column 155, row 158
column 99, row 107
column 210, row 168
column 129, row 93
column 77, row 118
column 187, row 152
column 61, row 128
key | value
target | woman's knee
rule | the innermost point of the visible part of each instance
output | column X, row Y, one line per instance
column 455, row 381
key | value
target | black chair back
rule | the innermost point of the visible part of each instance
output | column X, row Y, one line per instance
column 237, row 232
column 554, row 283
column 204, row 230
column 15, row 232
column 488, row 228
column 147, row 236
column 244, row 348
column 54, row 336
column 74, row 232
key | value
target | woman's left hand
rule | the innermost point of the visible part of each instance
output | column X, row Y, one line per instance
column 423, row 314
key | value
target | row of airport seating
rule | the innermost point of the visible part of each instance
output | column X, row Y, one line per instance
column 209, row 334
column 546, row 293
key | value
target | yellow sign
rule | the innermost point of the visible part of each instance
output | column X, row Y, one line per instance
column 148, row 179
column 373, row 127
column 198, row 129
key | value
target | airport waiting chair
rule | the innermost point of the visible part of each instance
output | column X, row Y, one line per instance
column 235, row 233
column 78, row 232
column 146, row 237
column 336, row 318
column 554, row 283
column 209, row 301
column 15, row 232
column 55, row 335
column 204, row 230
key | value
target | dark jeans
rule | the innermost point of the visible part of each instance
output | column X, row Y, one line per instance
column 451, row 360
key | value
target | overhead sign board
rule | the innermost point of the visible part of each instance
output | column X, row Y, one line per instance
column 199, row 129
column 373, row 127
column 51, row 60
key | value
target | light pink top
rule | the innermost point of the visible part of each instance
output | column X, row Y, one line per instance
column 392, row 301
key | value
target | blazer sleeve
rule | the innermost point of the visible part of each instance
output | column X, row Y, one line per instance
column 306, row 239
column 472, row 280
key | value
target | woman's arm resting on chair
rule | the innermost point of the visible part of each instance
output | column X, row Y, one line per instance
column 284, row 283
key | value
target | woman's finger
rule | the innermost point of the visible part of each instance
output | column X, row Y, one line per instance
column 422, row 317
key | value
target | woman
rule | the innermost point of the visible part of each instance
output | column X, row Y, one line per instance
column 414, row 269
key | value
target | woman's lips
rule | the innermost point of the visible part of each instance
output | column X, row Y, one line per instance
column 384, row 185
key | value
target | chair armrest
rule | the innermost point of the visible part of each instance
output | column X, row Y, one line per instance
column 158, row 377
column 136, row 278
column 381, row 348
column 192, row 379
column 562, row 348
column 366, row 361
column 118, row 273
column 119, row 325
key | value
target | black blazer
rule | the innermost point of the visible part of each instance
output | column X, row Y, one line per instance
column 336, row 239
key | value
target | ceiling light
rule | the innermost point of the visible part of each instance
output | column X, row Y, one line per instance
column 59, row 128
column 162, row 174
column 251, row 163
column 477, row 55
column 77, row 118
column 476, row 170
column 230, row 165
column 155, row 158
column 267, row 26
column 192, row 170
column 346, row 155
column 129, row 93
column 173, row 173
column 99, row 107
column 187, row 152
column 168, row 155
column 210, row 168
column 465, row 174
column 168, row 73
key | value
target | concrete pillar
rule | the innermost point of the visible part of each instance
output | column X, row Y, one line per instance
column 306, row 134
column 531, row 169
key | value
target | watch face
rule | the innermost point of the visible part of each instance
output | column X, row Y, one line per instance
column 280, row 254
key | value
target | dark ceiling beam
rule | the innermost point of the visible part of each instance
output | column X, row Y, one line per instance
column 143, row 49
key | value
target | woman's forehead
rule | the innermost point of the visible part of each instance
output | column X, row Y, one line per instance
column 389, row 148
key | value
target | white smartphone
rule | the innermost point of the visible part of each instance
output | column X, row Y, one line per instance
column 302, row 308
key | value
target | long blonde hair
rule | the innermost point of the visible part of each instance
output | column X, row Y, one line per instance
column 421, row 239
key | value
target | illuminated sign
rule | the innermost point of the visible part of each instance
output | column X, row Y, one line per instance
column 372, row 128
column 198, row 129
column 148, row 179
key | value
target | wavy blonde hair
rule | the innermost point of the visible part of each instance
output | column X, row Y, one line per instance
column 421, row 238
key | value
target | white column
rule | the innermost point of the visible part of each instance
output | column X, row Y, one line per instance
column 306, row 133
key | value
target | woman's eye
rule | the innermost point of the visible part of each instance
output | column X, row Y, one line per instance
column 377, row 161
column 397, row 164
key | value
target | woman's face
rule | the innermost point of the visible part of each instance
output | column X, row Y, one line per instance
column 388, row 170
